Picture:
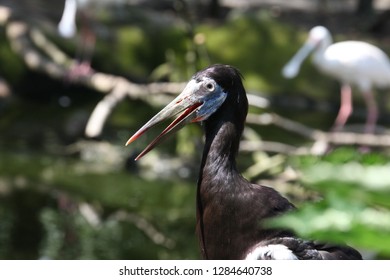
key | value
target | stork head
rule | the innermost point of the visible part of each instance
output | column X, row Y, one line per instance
column 203, row 95
column 318, row 40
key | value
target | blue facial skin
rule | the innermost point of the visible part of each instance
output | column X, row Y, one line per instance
column 211, row 102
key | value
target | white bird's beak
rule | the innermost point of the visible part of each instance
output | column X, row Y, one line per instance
column 291, row 69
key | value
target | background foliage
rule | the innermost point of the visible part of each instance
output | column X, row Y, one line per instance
column 66, row 197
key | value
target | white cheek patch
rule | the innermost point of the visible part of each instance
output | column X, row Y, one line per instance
column 271, row 252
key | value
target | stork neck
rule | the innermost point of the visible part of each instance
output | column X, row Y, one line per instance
column 221, row 147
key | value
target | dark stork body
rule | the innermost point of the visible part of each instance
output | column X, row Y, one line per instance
column 230, row 209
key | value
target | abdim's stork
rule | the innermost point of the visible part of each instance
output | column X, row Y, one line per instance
column 230, row 209
column 353, row 63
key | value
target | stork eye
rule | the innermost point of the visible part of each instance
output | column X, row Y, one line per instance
column 210, row 86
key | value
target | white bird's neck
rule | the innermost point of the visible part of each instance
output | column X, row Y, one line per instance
column 318, row 56
column 67, row 24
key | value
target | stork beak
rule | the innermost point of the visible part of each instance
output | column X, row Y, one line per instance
column 291, row 69
column 189, row 106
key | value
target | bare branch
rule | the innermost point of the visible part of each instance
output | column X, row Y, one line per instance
column 42, row 55
column 273, row 147
column 17, row 34
column 102, row 111
column 338, row 138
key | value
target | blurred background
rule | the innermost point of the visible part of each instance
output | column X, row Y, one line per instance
column 71, row 96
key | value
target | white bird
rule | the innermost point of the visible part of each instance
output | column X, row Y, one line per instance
column 353, row 63
column 67, row 29
column 67, row 24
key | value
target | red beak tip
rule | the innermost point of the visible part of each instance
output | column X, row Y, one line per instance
column 132, row 139
column 128, row 142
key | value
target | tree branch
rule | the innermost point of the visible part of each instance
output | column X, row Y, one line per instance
column 318, row 136
column 40, row 54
